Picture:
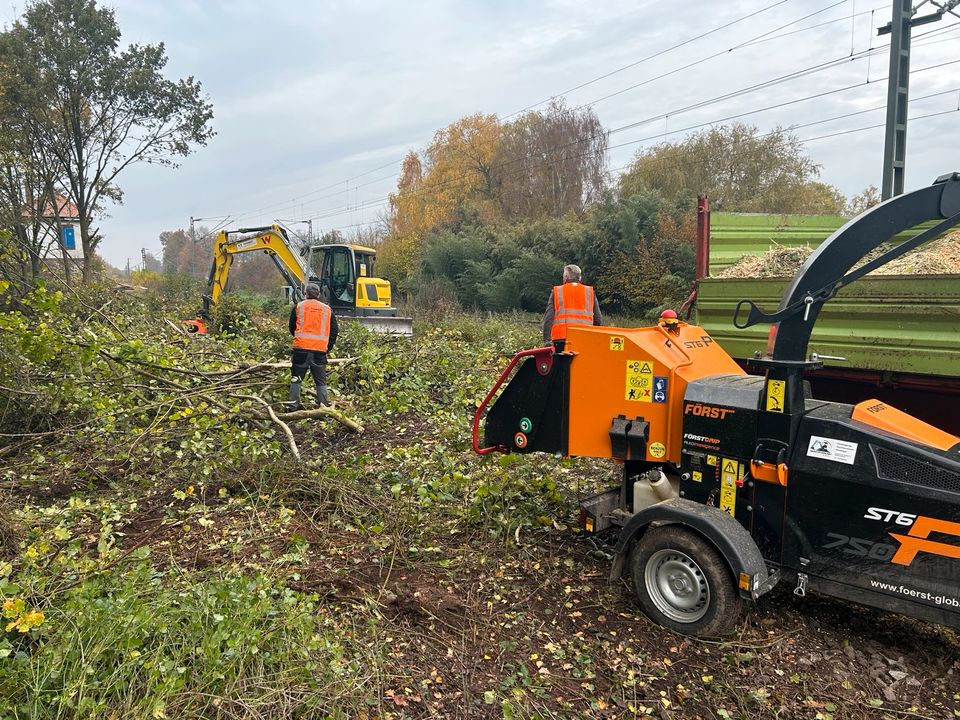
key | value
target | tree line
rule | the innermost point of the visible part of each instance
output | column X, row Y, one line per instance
column 489, row 212
column 76, row 110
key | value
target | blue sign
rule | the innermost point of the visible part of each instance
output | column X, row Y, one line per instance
column 659, row 389
column 69, row 240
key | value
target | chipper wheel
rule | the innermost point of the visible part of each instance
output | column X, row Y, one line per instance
column 683, row 584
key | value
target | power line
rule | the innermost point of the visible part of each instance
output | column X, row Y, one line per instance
column 715, row 55
column 293, row 201
column 726, row 96
column 784, row 104
column 333, row 212
column 874, row 127
column 648, row 57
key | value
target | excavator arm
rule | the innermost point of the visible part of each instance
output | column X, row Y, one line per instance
column 271, row 240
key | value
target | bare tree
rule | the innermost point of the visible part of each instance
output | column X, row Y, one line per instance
column 551, row 162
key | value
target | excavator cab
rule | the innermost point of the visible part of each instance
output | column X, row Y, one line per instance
column 337, row 275
column 345, row 275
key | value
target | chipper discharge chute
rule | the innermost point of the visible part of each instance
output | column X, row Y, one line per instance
column 733, row 482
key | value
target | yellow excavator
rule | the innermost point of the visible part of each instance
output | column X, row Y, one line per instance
column 343, row 272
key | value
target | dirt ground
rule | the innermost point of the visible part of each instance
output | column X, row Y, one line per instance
column 530, row 626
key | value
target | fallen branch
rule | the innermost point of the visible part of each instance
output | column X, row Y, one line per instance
column 352, row 425
column 273, row 416
column 284, row 365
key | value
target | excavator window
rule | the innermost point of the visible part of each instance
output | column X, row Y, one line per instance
column 338, row 274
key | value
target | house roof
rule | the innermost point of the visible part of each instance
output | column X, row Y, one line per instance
column 68, row 211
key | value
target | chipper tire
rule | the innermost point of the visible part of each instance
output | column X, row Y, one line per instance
column 683, row 584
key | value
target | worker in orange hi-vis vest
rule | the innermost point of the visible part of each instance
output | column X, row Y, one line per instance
column 570, row 304
column 314, row 329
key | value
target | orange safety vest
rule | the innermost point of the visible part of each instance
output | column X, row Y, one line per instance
column 312, row 331
column 572, row 305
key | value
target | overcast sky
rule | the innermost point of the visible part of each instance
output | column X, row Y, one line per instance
column 316, row 103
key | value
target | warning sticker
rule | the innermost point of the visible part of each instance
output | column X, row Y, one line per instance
column 659, row 388
column 616, row 342
column 776, row 395
column 639, row 386
column 697, row 476
column 658, row 450
column 712, row 460
column 728, row 485
column 830, row 449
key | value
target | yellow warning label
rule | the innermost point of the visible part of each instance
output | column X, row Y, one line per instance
column 639, row 386
column 712, row 460
column 697, row 476
column 741, row 470
column 728, row 486
column 658, row 450
column 616, row 342
column 776, row 395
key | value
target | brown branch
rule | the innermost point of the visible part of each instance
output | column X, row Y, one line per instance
column 273, row 416
column 353, row 425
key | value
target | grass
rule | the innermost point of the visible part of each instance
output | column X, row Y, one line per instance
column 136, row 642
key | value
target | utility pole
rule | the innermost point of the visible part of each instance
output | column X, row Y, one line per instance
column 143, row 257
column 193, row 233
column 898, row 87
column 308, row 223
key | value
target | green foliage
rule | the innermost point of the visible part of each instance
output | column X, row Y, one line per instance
column 635, row 250
column 138, row 642
column 739, row 168
column 169, row 558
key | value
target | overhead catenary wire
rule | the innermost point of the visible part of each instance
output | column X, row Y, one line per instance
column 816, row 68
column 366, row 204
column 652, row 56
column 293, row 201
column 672, row 113
column 334, row 212
column 880, row 125
column 801, row 140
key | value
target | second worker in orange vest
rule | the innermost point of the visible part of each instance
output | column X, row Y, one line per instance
column 314, row 329
column 570, row 304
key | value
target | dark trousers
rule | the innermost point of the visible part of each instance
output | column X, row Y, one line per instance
column 300, row 362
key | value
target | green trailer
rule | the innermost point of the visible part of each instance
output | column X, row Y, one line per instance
column 898, row 334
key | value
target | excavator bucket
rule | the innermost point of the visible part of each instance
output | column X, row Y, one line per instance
column 386, row 325
column 195, row 326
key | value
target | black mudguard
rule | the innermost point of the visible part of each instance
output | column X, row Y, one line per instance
column 728, row 536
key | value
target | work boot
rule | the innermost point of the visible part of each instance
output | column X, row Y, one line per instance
column 293, row 403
